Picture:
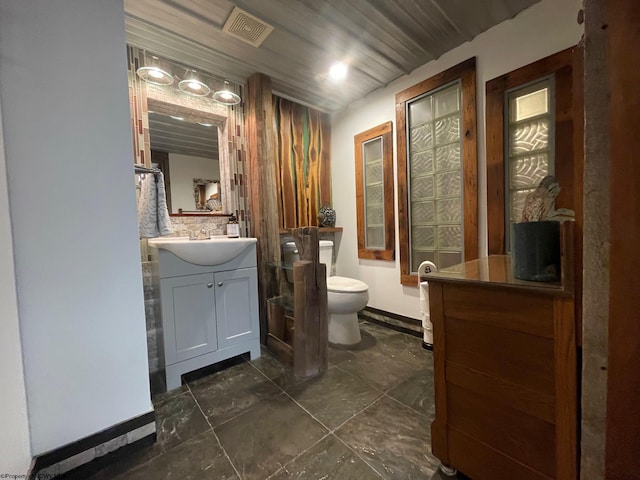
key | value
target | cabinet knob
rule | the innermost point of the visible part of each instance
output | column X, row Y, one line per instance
column 209, row 285
column 219, row 284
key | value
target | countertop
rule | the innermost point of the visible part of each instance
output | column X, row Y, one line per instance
column 495, row 269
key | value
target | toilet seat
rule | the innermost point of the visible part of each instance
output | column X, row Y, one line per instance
column 345, row 285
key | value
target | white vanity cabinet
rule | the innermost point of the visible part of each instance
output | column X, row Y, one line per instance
column 209, row 313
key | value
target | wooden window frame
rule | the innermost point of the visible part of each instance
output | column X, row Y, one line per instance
column 466, row 73
column 560, row 66
column 385, row 132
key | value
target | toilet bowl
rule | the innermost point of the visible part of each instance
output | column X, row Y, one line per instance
column 345, row 296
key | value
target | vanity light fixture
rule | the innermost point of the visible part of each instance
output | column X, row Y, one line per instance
column 155, row 73
column 191, row 85
column 226, row 96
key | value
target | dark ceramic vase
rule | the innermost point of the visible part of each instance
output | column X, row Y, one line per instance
column 535, row 250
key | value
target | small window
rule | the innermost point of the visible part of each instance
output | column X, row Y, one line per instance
column 374, row 193
column 531, row 133
column 529, row 146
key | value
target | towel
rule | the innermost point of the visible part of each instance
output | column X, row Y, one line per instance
column 153, row 216
column 424, row 268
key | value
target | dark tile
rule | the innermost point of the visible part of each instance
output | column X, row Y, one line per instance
column 199, row 458
column 417, row 392
column 267, row 436
column 334, row 396
column 377, row 370
column 406, row 348
column 178, row 418
column 278, row 372
column 162, row 393
column 328, row 459
column 379, row 332
column 337, row 355
column 225, row 394
column 392, row 439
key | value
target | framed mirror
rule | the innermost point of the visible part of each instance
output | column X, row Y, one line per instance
column 185, row 146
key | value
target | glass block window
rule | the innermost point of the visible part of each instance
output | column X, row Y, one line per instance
column 373, row 194
column 529, row 144
column 434, row 171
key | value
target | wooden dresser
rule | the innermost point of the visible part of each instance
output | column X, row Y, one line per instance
column 505, row 373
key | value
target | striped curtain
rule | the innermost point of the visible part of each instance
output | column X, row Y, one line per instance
column 303, row 153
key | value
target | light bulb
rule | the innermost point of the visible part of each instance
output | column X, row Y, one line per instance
column 156, row 73
column 338, row 71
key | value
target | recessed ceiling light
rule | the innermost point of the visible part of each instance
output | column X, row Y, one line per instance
column 206, row 124
column 176, row 118
column 338, row 71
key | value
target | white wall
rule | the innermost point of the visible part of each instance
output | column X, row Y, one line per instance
column 16, row 454
column 63, row 88
column 183, row 169
column 544, row 29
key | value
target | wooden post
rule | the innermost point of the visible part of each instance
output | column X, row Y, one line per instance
column 311, row 328
column 263, row 204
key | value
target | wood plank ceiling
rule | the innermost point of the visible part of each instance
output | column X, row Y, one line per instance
column 380, row 40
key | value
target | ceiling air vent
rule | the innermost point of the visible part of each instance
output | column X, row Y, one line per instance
column 246, row 27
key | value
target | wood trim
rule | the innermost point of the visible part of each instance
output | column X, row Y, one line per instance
column 466, row 72
column 566, row 388
column 578, row 182
column 439, row 446
column 623, row 384
column 384, row 132
column 561, row 65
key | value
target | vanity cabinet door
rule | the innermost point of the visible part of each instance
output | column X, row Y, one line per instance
column 237, row 306
column 189, row 316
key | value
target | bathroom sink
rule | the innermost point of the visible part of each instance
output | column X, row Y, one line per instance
column 215, row 251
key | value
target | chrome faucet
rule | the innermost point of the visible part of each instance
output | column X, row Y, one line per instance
column 202, row 235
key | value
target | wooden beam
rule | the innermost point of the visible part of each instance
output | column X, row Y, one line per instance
column 263, row 198
column 311, row 328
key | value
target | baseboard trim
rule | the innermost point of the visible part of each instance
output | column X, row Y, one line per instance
column 126, row 433
column 88, row 469
column 411, row 325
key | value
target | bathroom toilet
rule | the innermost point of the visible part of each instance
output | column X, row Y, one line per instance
column 345, row 296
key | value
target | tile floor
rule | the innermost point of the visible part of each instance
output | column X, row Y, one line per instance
column 367, row 417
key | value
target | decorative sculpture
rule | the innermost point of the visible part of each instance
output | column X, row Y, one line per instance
column 326, row 216
column 539, row 205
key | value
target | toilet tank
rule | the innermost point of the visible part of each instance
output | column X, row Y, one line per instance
column 326, row 254
column 290, row 255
